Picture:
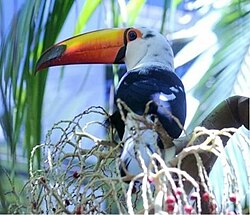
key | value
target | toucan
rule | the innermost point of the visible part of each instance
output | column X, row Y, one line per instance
column 150, row 81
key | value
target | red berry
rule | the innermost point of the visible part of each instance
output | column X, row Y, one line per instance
column 233, row 198
column 170, row 208
column 170, row 199
column 79, row 209
column 134, row 189
column 205, row 197
column 178, row 191
column 150, row 179
column 212, row 208
column 194, row 196
column 76, row 174
column 188, row 209
column 34, row 205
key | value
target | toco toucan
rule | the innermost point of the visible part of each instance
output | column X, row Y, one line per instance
column 150, row 76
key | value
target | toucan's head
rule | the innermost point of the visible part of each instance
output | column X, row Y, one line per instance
column 132, row 46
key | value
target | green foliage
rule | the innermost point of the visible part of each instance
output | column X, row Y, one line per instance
column 133, row 9
column 22, row 92
column 11, row 192
column 229, row 71
column 86, row 13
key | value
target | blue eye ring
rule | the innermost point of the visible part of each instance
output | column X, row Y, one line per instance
column 132, row 35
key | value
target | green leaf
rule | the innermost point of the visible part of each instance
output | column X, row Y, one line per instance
column 229, row 71
column 133, row 9
column 87, row 11
column 33, row 29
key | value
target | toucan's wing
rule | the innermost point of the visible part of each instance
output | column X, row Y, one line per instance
column 164, row 88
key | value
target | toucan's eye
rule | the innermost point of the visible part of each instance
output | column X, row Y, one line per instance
column 132, row 35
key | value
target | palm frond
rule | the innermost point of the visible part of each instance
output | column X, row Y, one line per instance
column 229, row 70
column 36, row 28
column 86, row 12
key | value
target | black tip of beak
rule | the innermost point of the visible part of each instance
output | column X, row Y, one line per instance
column 48, row 56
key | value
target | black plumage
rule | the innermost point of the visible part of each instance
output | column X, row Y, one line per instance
column 155, row 83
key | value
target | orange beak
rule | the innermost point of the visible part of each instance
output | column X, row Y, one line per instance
column 106, row 46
